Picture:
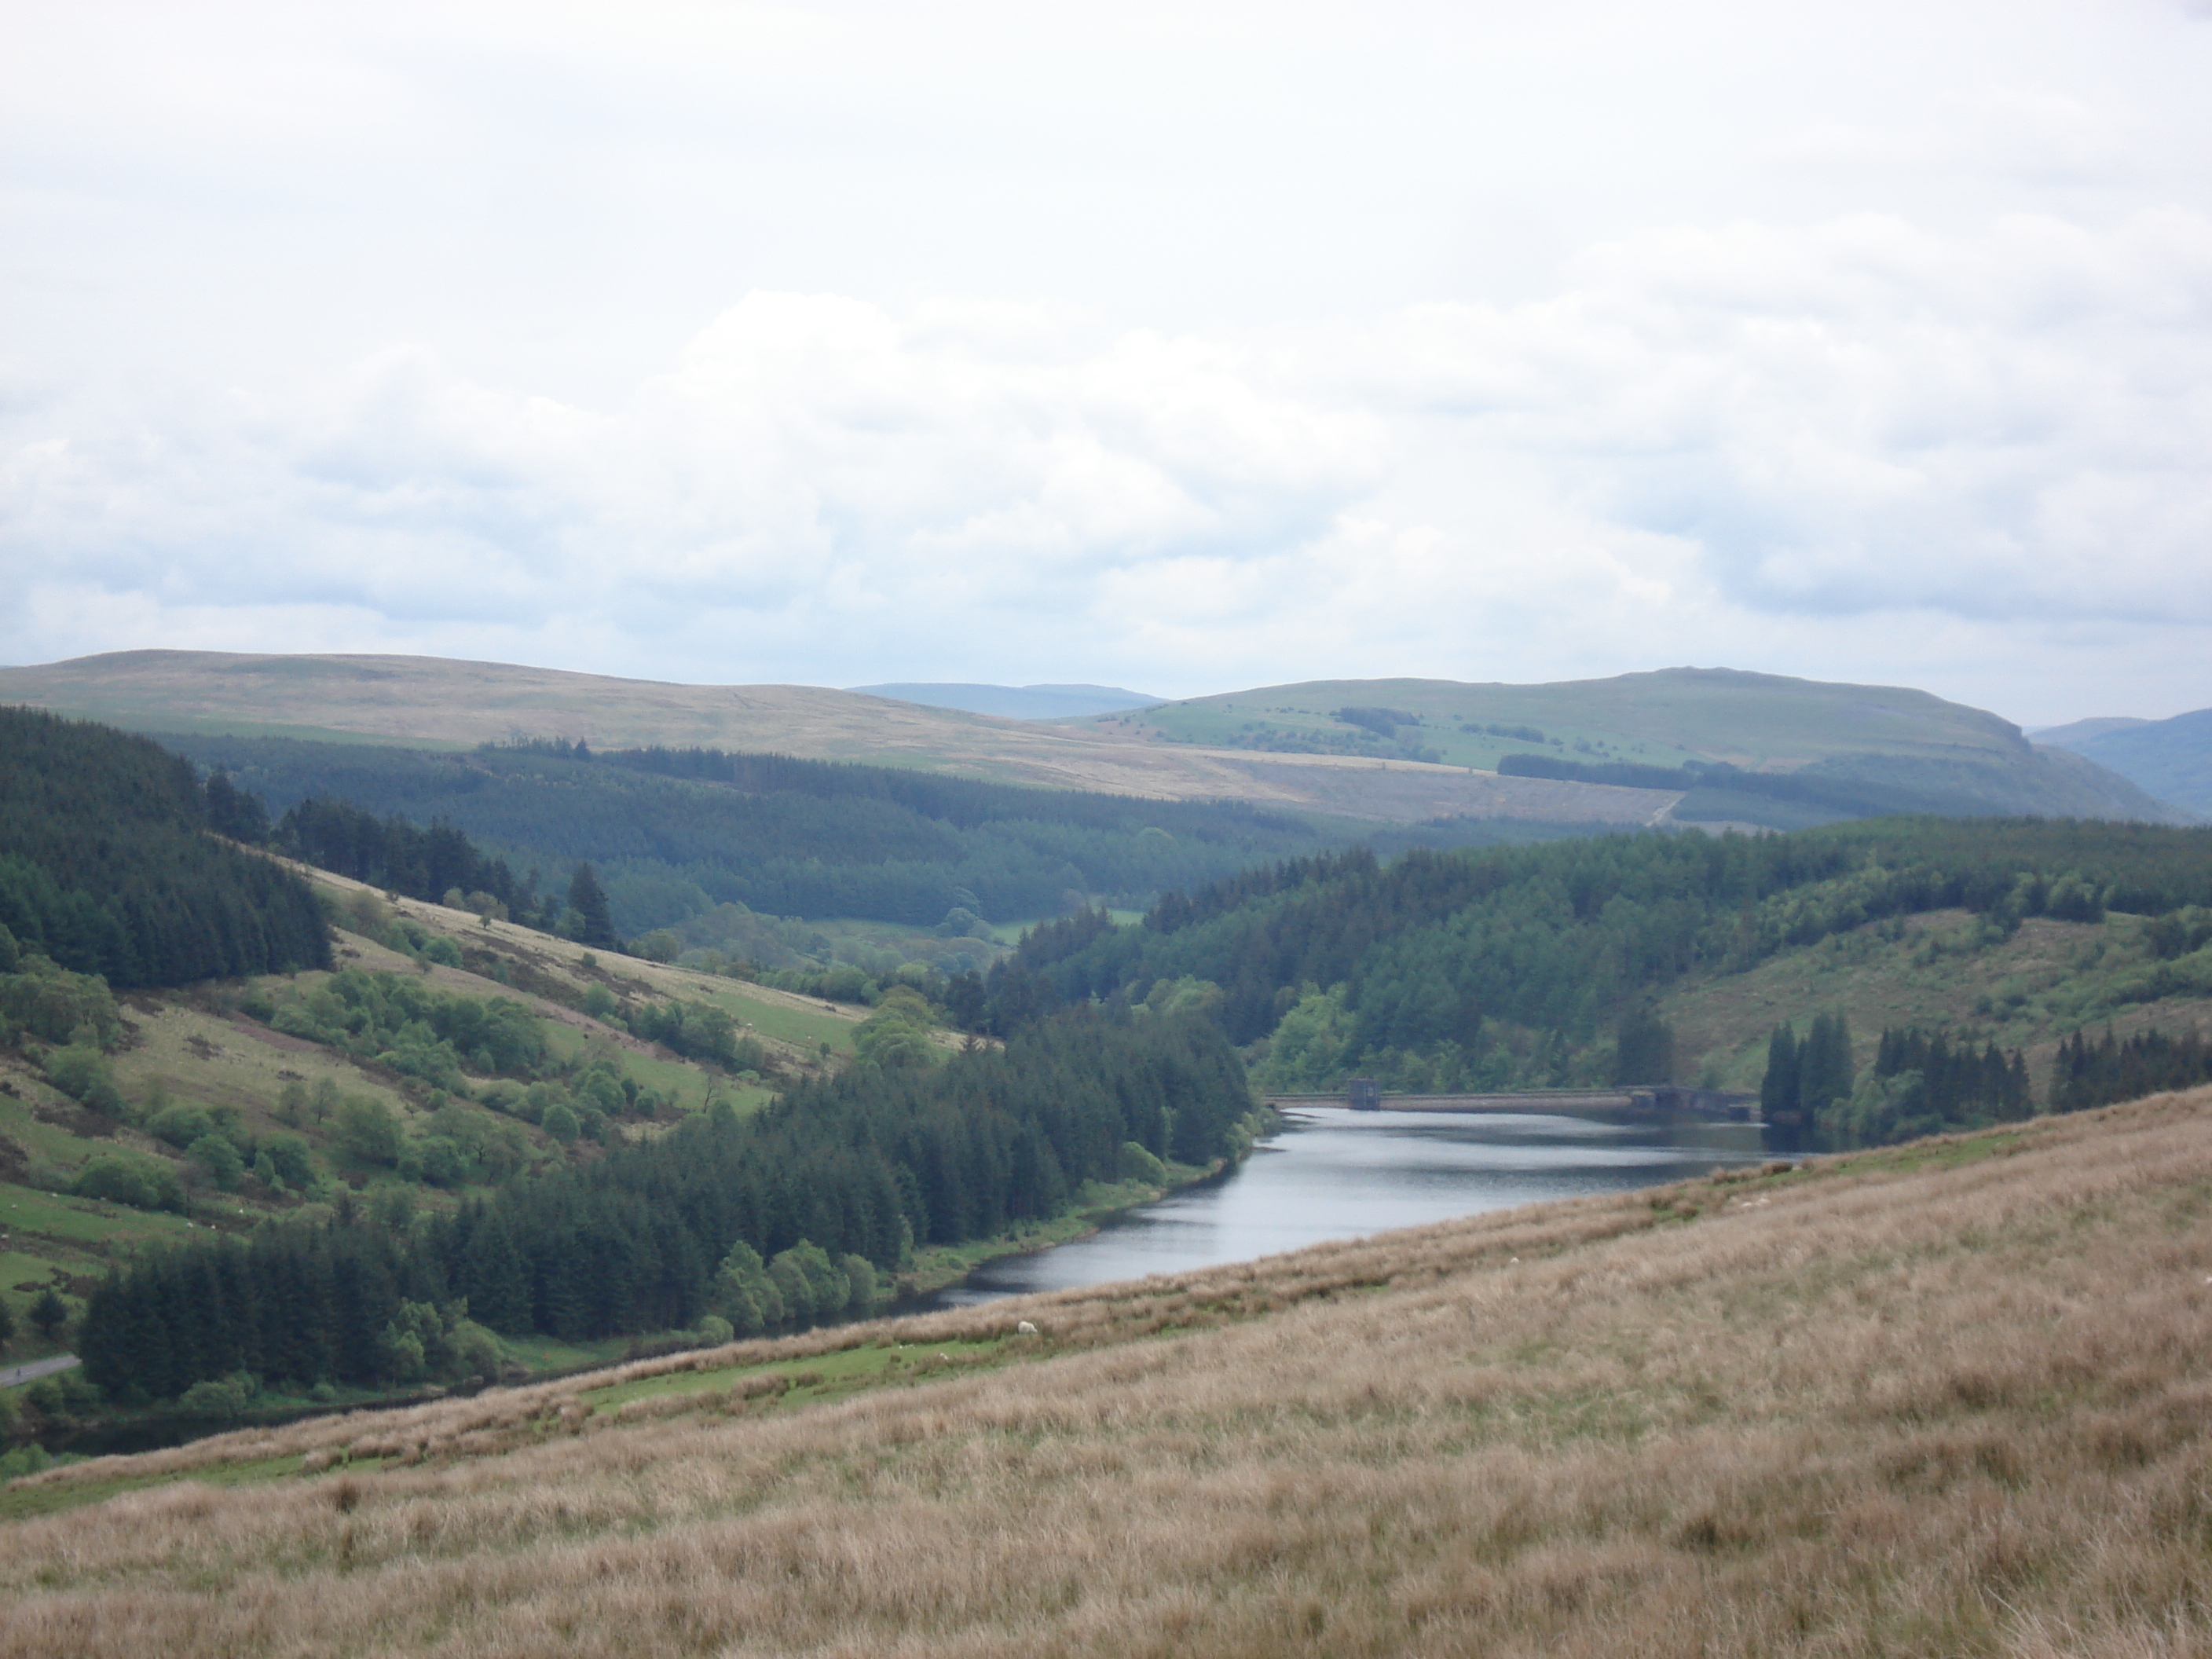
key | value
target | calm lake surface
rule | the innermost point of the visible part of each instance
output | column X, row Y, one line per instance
column 1335, row 1173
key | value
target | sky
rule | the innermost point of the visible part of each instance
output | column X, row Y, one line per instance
column 1185, row 347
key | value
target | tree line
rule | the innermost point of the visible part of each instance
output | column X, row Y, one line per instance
column 1920, row 1083
column 2095, row 1071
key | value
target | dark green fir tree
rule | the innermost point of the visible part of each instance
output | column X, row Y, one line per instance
column 590, row 918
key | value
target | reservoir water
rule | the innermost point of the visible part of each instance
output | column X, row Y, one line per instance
column 1335, row 1173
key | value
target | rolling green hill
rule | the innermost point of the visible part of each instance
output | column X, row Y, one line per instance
column 1950, row 758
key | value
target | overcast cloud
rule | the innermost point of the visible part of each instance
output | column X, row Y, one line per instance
column 1189, row 348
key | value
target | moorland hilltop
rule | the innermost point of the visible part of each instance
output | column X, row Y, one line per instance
column 1622, row 750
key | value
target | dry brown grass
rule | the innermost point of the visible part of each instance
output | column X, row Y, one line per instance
column 1950, row 1399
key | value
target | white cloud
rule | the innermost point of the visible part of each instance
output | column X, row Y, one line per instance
column 810, row 463
column 1484, row 341
column 1841, row 425
column 1863, row 417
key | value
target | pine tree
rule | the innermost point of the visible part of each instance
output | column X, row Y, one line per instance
column 593, row 922
column 49, row 1313
column 1824, row 1063
column 1644, row 1052
column 1778, row 1095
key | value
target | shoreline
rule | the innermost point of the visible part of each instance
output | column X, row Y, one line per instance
column 937, row 1268
column 940, row 1266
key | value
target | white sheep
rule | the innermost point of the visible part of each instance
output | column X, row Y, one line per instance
column 1026, row 1329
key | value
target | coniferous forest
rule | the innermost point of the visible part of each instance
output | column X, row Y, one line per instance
column 107, row 866
column 1498, row 967
column 676, row 832
column 738, row 1218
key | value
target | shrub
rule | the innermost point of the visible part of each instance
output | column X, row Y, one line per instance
column 811, row 1285
column 1137, row 1164
column 53, row 1003
column 368, row 1130
column 225, row 1396
column 123, row 1178
column 33, row 1459
column 180, row 1125
column 864, row 1288
column 82, row 1071
column 658, row 945
column 288, row 1154
column 218, row 1160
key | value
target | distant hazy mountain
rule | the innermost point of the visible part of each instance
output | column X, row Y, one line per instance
column 2072, row 736
column 2172, row 759
column 1017, row 702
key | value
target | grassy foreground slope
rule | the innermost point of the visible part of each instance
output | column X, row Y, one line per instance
column 1945, row 1398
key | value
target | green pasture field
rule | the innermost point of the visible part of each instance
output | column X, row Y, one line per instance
column 805, row 1027
column 1221, row 725
column 1010, row 933
column 83, row 1220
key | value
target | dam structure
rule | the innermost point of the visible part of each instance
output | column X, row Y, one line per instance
column 1660, row 1100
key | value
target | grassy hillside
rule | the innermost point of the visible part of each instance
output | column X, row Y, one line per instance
column 196, row 1048
column 1020, row 702
column 1942, row 1398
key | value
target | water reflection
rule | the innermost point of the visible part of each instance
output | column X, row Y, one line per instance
column 1335, row 1173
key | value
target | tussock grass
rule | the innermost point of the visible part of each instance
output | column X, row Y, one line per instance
column 1951, row 1398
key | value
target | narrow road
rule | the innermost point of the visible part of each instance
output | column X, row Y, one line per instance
column 11, row 1374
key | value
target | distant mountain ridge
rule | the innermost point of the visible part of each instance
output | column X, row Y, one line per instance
column 1393, row 750
column 1907, row 749
column 1014, row 703
column 2170, row 758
